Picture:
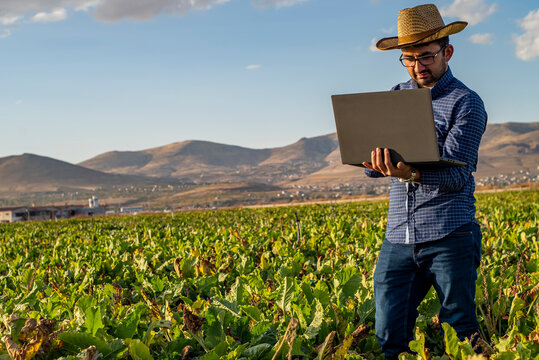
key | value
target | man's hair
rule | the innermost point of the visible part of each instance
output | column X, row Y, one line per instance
column 442, row 42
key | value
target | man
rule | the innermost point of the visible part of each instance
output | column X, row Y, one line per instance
column 432, row 236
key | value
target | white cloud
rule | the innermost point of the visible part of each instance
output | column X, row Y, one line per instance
column 276, row 3
column 87, row 5
column 9, row 20
column 53, row 16
column 253, row 67
column 373, row 47
column 116, row 10
column 472, row 11
column 18, row 102
column 5, row 33
column 483, row 39
column 527, row 44
column 17, row 12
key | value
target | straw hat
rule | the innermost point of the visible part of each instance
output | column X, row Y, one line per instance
column 418, row 25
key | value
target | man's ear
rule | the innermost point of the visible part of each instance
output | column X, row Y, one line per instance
column 449, row 49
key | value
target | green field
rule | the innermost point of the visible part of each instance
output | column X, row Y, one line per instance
column 247, row 284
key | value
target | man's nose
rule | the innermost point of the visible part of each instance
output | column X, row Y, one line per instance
column 418, row 67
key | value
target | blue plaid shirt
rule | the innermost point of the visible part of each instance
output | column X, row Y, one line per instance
column 444, row 200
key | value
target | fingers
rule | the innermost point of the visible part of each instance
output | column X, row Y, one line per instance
column 380, row 164
column 377, row 162
column 368, row 165
column 387, row 162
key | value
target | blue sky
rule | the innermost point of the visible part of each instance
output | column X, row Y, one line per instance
column 82, row 77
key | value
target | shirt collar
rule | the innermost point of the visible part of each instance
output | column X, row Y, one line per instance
column 441, row 85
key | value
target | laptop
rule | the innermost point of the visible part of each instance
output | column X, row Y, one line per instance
column 401, row 120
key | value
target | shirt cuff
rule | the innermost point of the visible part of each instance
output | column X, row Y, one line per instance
column 373, row 174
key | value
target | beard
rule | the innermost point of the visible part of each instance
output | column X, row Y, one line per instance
column 429, row 77
column 425, row 78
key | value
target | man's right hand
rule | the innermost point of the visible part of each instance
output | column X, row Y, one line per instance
column 381, row 162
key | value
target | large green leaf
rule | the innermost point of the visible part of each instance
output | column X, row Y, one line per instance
column 307, row 291
column 451, row 341
column 286, row 293
column 251, row 311
column 128, row 327
column 321, row 292
column 455, row 348
column 315, row 325
column 507, row 355
column 349, row 282
column 93, row 320
column 138, row 350
column 516, row 310
column 418, row 345
column 235, row 295
column 78, row 341
column 229, row 306
column 254, row 352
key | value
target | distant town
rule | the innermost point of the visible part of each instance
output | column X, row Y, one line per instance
column 217, row 198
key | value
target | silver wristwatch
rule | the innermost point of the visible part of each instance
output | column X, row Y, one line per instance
column 411, row 178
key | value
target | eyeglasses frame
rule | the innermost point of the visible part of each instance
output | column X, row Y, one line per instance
column 401, row 59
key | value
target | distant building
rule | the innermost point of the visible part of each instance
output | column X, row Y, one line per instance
column 86, row 211
column 14, row 214
column 131, row 210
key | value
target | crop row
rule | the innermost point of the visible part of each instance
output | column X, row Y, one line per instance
column 275, row 283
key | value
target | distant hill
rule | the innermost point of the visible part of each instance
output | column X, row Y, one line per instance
column 205, row 161
column 33, row 173
column 509, row 147
column 310, row 161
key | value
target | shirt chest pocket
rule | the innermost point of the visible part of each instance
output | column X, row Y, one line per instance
column 442, row 121
column 442, row 125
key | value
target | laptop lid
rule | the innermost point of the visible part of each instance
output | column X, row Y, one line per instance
column 402, row 121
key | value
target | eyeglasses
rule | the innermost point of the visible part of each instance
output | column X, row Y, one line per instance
column 423, row 60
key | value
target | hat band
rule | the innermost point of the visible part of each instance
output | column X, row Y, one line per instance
column 417, row 36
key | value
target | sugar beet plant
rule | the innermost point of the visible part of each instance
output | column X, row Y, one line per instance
column 276, row 283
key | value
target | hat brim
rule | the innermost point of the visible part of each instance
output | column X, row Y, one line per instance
column 391, row 43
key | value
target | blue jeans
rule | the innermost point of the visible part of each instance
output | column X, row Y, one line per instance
column 404, row 274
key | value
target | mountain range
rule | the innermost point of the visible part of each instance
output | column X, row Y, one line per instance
column 203, row 161
column 505, row 148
